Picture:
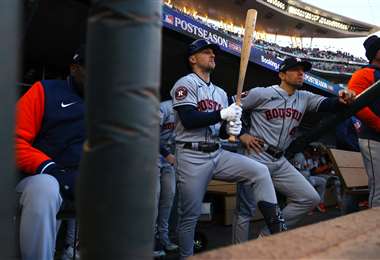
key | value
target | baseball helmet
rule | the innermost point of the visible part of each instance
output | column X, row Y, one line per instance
column 201, row 44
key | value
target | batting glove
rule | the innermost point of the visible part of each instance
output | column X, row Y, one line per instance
column 231, row 113
column 234, row 127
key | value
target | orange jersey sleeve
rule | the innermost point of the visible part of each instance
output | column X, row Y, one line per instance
column 29, row 115
column 359, row 82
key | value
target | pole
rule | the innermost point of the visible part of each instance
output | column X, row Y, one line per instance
column 119, row 167
column 10, row 21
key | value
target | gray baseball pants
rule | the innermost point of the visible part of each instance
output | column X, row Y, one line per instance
column 301, row 197
column 370, row 151
column 168, row 184
column 194, row 171
column 40, row 202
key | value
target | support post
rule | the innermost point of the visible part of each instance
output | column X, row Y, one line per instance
column 10, row 21
column 117, row 183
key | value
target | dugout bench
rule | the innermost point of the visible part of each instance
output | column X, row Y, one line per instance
column 349, row 166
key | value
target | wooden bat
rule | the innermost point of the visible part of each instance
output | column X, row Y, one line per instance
column 250, row 23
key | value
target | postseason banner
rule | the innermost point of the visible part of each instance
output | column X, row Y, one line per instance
column 185, row 24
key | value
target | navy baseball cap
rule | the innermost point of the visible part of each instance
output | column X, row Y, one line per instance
column 201, row 44
column 371, row 45
column 79, row 56
column 292, row 62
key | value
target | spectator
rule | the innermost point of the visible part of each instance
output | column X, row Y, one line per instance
column 49, row 138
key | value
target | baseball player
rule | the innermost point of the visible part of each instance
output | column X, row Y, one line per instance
column 167, row 176
column 200, row 110
column 369, row 136
column 274, row 115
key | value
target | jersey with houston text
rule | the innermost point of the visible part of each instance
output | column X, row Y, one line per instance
column 275, row 116
column 167, row 125
column 206, row 97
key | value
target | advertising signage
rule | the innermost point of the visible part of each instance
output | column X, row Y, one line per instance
column 191, row 27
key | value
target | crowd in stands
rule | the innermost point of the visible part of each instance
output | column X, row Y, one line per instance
column 339, row 62
column 322, row 54
column 336, row 67
column 325, row 60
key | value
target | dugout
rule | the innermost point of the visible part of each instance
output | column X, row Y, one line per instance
column 52, row 30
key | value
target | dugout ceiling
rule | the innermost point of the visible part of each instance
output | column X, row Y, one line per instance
column 53, row 29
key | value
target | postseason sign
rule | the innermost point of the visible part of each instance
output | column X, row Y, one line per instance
column 185, row 24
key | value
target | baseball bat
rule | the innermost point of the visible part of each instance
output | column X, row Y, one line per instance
column 250, row 23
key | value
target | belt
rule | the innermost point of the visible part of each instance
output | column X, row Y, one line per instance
column 201, row 146
column 273, row 151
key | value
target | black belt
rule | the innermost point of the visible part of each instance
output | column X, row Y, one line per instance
column 201, row 146
column 274, row 151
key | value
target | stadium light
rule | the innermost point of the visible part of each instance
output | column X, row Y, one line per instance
column 303, row 13
column 332, row 23
column 277, row 4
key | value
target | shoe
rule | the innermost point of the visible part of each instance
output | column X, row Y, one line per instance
column 321, row 207
column 170, row 247
column 159, row 253
column 68, row 253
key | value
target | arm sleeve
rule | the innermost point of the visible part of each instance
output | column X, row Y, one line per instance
column 192, row 119
column 163, row 151
column 331, row 104
column 29, row 114
column 359, row 82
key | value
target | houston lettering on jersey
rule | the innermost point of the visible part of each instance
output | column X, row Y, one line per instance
column 168, row 126
column 208, row 104
column 282, row 113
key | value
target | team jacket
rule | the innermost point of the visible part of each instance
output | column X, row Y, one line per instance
column 49, row 126
column 370, row 115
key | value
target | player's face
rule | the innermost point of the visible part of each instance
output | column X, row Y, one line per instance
column 376, row 60
column 205, row 60
column 293, row 77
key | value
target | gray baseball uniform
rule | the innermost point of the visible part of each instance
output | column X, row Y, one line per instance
column 274, row 117
column 196, row 168
column 167, row 176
